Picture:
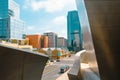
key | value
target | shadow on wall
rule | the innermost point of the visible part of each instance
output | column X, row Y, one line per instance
column 16, row 64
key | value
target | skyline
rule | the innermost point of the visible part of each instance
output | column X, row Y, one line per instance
column 36, row 13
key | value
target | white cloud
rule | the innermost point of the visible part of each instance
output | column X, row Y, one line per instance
column 30, row 27
column 48, row 31
column 61, row 20
column 58, row 24
column 63, row 33
column 26, row 4
column 50, row 5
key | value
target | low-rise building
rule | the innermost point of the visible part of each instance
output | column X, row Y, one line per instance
column 38, row 41
column 62, row 42
column 24, row 47
column 34, row 40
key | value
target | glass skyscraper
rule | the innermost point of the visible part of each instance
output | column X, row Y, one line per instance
column 11, row 27
column 74, row 33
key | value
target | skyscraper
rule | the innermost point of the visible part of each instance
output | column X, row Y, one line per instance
column 74, row 33
column 52, row 39
column 11, row 27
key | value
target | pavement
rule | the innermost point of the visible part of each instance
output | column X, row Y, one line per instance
column 63, row 76
column 52, row 71
column 87, row 74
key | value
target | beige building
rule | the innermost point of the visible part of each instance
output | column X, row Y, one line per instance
column 24, row 47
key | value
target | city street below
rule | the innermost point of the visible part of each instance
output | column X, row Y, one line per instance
column 52, row 71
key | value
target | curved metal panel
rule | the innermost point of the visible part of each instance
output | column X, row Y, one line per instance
column 87, row 38
column 104, row 19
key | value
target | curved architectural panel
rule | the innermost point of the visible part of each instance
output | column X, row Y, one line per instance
column 17, row 64
column 75, row 72
column 87, row 38
column 104, row 19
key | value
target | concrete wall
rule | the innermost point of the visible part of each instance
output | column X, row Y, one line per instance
column 16, row 64
column 104, row 19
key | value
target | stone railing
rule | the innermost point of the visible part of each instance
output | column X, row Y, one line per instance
column 17, row 64
column 75, row 72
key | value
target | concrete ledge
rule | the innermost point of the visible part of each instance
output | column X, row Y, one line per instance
column 16, row 64
column 75, row 72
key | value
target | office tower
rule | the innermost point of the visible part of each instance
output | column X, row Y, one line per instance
column 11, row 26
column 74, row 33
column 52, row 39
column 62, row 42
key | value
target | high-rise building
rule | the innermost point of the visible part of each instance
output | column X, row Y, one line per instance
column 74, row 33
column 62, row 42
column 11, row 27
column 52, row 39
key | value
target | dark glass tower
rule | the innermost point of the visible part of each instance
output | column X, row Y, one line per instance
column 74, row 33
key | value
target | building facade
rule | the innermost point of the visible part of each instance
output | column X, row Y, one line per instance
column 34, row 40
column 62, row 42
column 52, row 39
column 11, row 26
column 44, row 41
column 74, row 33
column 38, row 41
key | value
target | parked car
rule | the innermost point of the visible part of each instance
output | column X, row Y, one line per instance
column 64, row 68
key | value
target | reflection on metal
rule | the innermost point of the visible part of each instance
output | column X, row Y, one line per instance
column 104, row 19
column 16, row 64
column 87, row 38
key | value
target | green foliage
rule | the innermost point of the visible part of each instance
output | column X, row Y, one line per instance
column 72, row 52
column 14, row 41
column 26, row 42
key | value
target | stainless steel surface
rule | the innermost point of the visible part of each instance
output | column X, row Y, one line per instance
column 16, row 64
column 104, row 19
column 87, row 37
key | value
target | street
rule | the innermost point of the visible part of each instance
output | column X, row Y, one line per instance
column 52, row 72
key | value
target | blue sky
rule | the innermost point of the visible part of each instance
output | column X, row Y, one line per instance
column 46, row 15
